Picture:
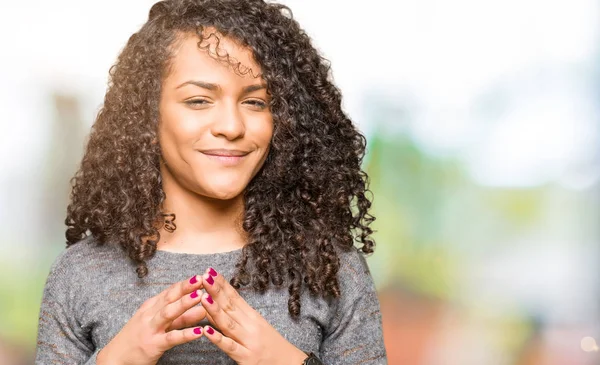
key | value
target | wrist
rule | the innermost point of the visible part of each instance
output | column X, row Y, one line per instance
column 297, row 357
column 109, row 356
column 102, row 358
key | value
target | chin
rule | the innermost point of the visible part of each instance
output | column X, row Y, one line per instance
column 222, row 186
column 223, row 193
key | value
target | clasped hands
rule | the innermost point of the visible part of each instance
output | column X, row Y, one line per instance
column 167, row 319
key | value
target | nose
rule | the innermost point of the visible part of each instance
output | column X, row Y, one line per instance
column 229, row 122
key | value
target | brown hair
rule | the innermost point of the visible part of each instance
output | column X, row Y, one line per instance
column 308, row 201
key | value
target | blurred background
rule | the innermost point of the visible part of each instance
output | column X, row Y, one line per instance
column 483, row 123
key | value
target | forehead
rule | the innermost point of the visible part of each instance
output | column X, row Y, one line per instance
column 216, row 57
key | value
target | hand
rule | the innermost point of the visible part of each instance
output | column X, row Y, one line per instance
column 158, row 325
column 247, row 337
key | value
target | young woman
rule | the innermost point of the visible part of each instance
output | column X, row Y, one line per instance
column 219, row 214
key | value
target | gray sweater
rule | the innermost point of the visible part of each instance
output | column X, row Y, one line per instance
column 92, row 291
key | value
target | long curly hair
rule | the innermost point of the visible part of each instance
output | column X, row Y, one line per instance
column 308, row 202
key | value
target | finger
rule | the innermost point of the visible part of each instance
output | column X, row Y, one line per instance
column 190, row 318
column 178, row 337
column 210, row 319
column 233, row 349
column 228, row 298
column 223, row 320
column 170, row 312
column 176, row 291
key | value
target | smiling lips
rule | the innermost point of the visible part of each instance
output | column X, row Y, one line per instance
column 225, row 153
column 225, row 157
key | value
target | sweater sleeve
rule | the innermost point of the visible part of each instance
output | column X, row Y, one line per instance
column 355, row 334
column 61, row 339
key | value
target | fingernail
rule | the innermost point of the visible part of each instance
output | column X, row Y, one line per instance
column 210, row 331
column 209, row 299
column 210, row 280
column 197, row 331
column 212, row 272
column 194, row 294
column 193, row 280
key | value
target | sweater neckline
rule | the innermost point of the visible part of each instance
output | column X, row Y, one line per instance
column 184, row 255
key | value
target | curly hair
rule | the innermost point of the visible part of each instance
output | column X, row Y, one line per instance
column 307, row 203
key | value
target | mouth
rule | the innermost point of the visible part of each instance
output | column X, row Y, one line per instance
column 225, row 153
column 225, row 157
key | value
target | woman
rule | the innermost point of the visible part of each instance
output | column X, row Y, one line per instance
column 220, row 196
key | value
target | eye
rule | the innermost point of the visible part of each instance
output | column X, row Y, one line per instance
column 196, row 102
column 257, row 104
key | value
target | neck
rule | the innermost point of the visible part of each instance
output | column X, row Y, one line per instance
column 203, row 225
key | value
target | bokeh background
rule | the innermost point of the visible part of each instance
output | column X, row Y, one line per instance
column 483, row 125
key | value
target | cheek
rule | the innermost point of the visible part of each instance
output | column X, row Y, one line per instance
column 262, row 133
column 179, row 126
column 262, row 137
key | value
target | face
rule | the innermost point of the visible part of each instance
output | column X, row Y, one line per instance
column 215, row 125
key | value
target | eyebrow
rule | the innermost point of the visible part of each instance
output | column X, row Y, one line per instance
column 215, row 87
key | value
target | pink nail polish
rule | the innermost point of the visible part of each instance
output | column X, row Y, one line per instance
column 209, row 299
column 197, row 331
column 210, row 280
column 193, row 280
column 212, row 272
column 210, row 331
column 194, row 294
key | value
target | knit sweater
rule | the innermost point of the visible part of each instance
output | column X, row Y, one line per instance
column 93, row 290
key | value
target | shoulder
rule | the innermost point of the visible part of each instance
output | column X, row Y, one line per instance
column 354, row 275
column 353, row 265
column 82, row 259
column 88, row 251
